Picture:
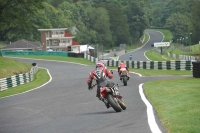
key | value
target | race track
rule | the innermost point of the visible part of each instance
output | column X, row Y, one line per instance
column 139, row 54
column 65, row 105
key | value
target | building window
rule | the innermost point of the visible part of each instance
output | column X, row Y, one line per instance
column 64, row 40
column 47, row 34
column 48, row 44
column 57, row 32
column 54, row 42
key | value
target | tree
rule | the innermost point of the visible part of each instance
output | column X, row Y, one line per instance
column 137, row 18
column 119, row 24
column 195, row 19
column 178, row 24
column 15, row 15
column 175, row 6
column 99, row 21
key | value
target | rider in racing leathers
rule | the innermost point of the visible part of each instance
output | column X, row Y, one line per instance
column 121, row 68
column 130, row 57
column 101, row 75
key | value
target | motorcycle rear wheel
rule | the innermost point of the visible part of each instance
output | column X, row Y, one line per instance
column 122, row 104
column 115, row 105
column 125, row 80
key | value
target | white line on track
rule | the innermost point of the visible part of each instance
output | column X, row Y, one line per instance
column 151, row 118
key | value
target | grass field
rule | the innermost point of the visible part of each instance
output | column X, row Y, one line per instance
column 177, row 103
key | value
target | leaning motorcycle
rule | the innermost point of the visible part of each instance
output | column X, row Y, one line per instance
column 124, row 76
column 113, row 98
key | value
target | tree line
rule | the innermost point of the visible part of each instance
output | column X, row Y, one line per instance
column 107, row 22
column 181, row 17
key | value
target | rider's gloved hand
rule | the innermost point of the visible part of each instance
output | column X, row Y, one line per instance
column 111, row 71
column 90, row 87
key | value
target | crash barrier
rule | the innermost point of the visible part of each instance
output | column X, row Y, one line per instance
column 181, row 57
column 18, row 79
column 79, row 55
column 196, row 69
column 90, row 58
column 54, row 53
column 163, row 65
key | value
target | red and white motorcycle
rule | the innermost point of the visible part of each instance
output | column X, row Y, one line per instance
column 111, row 97
column 124, row 76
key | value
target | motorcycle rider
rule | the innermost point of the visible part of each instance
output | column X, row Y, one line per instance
column 130, row 57
column 101, row 75
column 121, row 67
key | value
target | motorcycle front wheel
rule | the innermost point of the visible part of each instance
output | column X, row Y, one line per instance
column 114, row 104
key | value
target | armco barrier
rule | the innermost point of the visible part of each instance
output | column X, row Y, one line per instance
column 181, row 57
column 162, row 65
column 19, row 79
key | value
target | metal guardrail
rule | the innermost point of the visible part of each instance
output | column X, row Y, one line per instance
column 18, row 79
column 181, row 57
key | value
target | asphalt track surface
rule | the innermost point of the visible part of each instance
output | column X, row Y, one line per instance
column 65, row 105
column 139, row 54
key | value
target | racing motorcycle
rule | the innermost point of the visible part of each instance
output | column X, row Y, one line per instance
column 111, row 97
column 124, row 76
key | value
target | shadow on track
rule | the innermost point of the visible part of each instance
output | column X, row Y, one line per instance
column 99, row 113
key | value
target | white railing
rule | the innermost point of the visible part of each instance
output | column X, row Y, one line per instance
column 58, row 35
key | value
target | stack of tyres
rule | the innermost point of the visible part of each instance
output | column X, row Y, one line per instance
column 196, row 69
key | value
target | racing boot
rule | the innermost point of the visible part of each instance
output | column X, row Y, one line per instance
column 120, row 77
column 106, row 103
column 128, row 75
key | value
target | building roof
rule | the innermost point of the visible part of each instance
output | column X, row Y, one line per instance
column 52, row 29
column 22, row 44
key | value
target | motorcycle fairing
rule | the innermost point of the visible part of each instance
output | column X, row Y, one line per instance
column 103, row 91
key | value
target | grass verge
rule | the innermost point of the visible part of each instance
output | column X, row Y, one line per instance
column 10, row 67
column 156, row 56
column 146, row 38
column 60, row 58
column 132, row 47
column 40, row 78
column 177, row 103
